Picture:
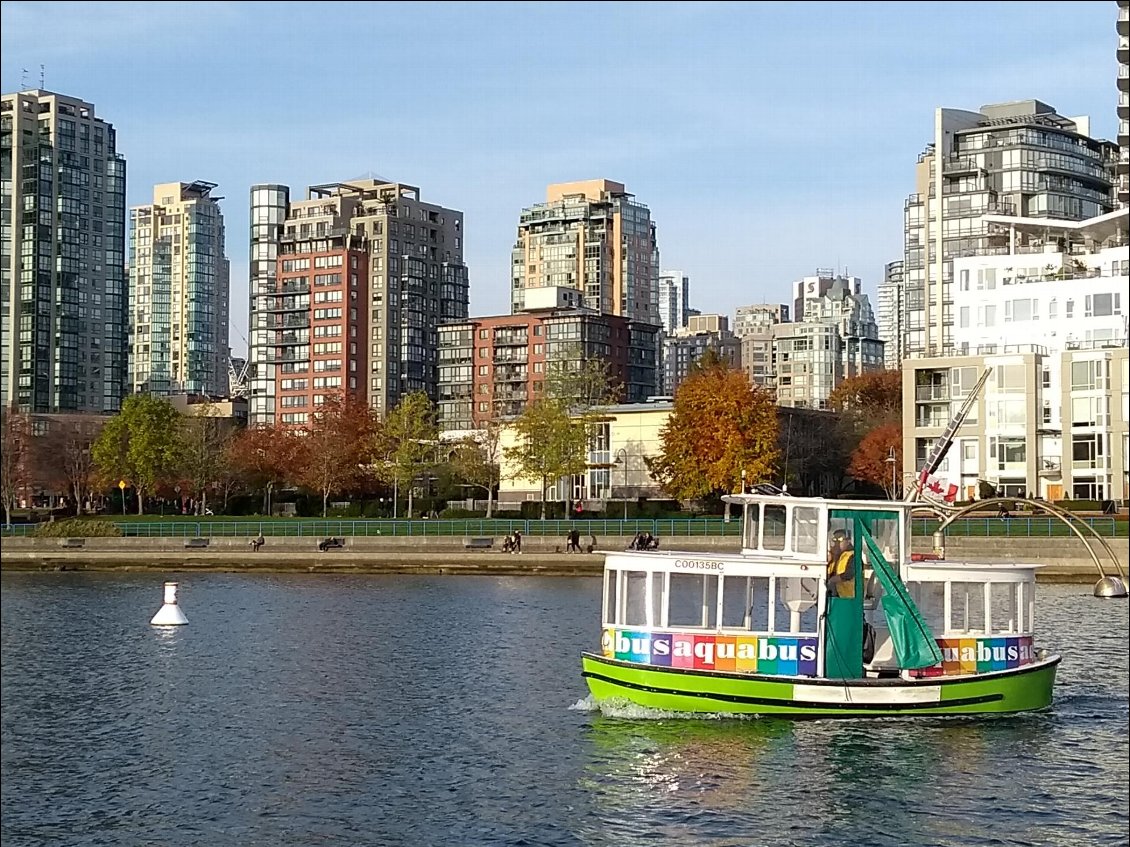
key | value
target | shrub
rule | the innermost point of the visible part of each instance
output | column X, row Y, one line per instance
column 77, row 528
column 454, row 514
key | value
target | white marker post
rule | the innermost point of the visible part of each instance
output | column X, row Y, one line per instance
column 170, row 613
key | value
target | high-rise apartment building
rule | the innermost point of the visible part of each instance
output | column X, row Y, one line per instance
column 674, row 299
column 1124, row 102
column 891, row 313
column 753, row 325
column 834, row 339
column 491, row 367
column 1049, row 315
column 1018, row 158
column 62, row 269
column 687, row 346
column 366, row 272
column 594, row 237
column 178, row 293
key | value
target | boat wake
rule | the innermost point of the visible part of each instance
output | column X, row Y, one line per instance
column 625, row 709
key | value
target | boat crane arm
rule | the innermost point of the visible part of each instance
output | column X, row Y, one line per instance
column 945, row 440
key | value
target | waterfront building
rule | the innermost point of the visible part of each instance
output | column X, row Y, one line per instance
column 178, row 293
column 63, row 312
column 681, row 350
column 1124, row 102
column 833, row 339
column 491, row 367
column 366, row 271
column 753, row 325
column 269, row 205
column 1050, row 317
column 592, row 236
column 891, row 311
column 674, row 299
column 1019, row 158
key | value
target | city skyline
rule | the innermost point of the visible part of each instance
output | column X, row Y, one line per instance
column 487, row 117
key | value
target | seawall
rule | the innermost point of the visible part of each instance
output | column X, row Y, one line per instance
column 1064, row 559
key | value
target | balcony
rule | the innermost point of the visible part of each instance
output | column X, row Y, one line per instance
column 927, row 393
column 1049, row 467
column 288, row 321
column 960, row 165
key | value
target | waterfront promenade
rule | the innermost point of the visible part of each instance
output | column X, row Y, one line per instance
column 1064, row 559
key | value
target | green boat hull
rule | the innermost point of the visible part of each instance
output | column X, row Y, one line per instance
column 1023, row 689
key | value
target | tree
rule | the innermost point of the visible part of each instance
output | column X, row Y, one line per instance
column 263, row 456
column 720, row 425
column 16, row 434
column 331, row 452
column 870, row 461
column 64, row 456
column 549, row 444
column 582, row 383
column 868, row 400
column 407, row 443
column 141, row 445
column 204, row 440
column 475, row 459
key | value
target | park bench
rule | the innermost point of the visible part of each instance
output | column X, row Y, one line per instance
column 195, row 542
column 330, row 543
column 478, row 543
column 72, row 542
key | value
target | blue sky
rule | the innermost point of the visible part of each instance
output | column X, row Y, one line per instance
column 768, row 139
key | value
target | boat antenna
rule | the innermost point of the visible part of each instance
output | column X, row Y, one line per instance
column 945, row 440
column 788, row 445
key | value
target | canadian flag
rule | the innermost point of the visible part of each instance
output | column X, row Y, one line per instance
column 937, row 489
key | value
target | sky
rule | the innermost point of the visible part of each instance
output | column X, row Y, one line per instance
column 768, row 139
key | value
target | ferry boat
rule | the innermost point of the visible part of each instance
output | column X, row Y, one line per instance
column 823, row 613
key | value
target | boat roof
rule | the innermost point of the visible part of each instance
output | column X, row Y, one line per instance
column 786, row 499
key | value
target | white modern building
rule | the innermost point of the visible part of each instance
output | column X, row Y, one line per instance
column 674, row 299
column 754, row 326
column 1049, row 315
column 834, row 338
column 891, row 313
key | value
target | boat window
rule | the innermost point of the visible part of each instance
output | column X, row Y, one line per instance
column 967, row 607
column 735, row 602
column 885, row 532
column 796, row 604
column 752, row 525
column 773, row 531
column 806, row 529
column 929, row 597
column 610, row 606
column 694, row 600
column 1002, row 609
column 635, row 606
column 656, row 617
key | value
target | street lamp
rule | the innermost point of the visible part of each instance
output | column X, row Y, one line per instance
column 622, row 457
column 892, row 461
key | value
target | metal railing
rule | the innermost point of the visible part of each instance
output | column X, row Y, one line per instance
column 973, row 527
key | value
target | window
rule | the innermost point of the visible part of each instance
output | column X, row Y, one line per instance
column 1007, row 451
column 1087, row 451
column 1089, row 375
column 1102, row 305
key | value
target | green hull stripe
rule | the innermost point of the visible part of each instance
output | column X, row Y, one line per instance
column 797, row 704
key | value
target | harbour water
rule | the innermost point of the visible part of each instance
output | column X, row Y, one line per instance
column 321, row 710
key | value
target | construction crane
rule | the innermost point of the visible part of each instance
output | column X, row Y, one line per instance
column 237, row 371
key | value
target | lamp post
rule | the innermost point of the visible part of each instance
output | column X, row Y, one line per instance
column 622, row 457
column 892, row 461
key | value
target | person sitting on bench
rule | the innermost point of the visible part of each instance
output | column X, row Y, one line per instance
column 256, row 543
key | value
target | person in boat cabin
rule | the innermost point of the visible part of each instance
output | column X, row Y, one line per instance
column 841, row 565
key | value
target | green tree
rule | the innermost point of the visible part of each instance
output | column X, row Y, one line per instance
column 331, row 454
column 406, row 446
column 475, row 460
column 204, row 442
column 141, row 445
column 16, row 434
column 720, row 426
column 549, row 444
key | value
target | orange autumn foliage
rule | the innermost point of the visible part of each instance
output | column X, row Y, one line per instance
column 869, row 460
column 720, row 425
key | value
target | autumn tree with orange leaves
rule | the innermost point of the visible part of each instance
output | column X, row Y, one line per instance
column 870, row 408
column 264, row 457
column 720, row 426
column 870, row 461
column 332, row 454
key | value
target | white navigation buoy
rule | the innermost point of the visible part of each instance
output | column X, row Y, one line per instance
column 169, row 614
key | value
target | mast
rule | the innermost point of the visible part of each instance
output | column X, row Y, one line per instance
column 945, row 440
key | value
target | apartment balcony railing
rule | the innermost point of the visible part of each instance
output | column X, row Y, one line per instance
column 931, row 392
column 1101, row 344
column 298, row 321
column 960, row 164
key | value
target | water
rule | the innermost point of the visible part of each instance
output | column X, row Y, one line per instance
column 316, row 710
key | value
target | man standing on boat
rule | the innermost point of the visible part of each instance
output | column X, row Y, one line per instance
column 841, row 566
